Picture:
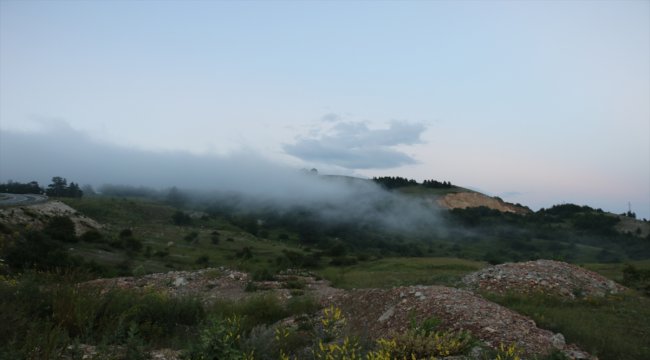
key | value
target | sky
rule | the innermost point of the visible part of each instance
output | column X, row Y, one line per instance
column 539, row 102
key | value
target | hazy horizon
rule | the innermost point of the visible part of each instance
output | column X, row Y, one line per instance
column 537, row 102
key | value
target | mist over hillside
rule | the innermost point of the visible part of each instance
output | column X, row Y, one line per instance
column 246, row 180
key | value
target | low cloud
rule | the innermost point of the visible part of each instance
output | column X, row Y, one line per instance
column 60, row 150
column 331, row 117
column 353, row 145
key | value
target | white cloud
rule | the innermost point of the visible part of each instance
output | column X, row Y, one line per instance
column 354, row 145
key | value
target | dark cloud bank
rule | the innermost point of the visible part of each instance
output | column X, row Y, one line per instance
column 62, row 151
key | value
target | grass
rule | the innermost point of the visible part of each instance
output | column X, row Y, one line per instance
column 42, row 316
column 421, row 190
column 617, row 327
column 614, row 271
column 151, row 223
column 401, row 271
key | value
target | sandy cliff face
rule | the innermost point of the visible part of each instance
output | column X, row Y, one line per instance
column 464, row 200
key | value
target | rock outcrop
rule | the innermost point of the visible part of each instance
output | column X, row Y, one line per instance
column 542, row 276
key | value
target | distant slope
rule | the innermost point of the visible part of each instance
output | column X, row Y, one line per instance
column 464, row 200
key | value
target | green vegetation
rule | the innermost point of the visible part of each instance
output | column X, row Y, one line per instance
column 616, row 327
column 43, row 315
column 60, row 188
column 390, row 272
column 14, row 187
column 163, row 231
column 395, row 182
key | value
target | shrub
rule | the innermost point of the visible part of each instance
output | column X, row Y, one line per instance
column 191, row 237
column 35, row 250
column 92, row 236
column 343, row 261
column 214, row 237
column 300, row 305
column 638, row 279
column 294, row 283
column 133, row 244
column 219, row 338
column 126, row 233
column 245, row 253
column 419, row 344
column 61, row 228
column 181, row 219
column 263, row 274
column 203, row 260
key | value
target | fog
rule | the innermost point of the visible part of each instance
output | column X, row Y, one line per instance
column 58, row 150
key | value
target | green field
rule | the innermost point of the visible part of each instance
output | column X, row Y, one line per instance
column 400, row 271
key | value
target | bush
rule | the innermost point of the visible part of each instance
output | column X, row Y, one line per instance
column 92, row 236
column 343, row 261
column 638, row 279
column 181, row 219
column 61, row 228
column 214, row 237
column 203, row 260
column 126, row 233
column 191, row 237
column 219, row 338
column 35, row 250
column 133, row 244
column 263, row 275
column 300, row 305
column 245, row 253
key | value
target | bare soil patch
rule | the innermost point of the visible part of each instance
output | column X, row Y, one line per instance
column 464, row 200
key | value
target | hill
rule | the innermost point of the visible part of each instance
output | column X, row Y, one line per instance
column 277, row 267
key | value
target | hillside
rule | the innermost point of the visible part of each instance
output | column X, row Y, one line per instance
column 463, row 200
column 215, row 259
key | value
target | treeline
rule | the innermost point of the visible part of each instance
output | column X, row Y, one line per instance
column 59, row 188
column 435, row 184
column 14, row 187
column 393, row 182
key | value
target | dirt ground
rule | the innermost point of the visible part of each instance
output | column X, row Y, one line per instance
column 470, row 199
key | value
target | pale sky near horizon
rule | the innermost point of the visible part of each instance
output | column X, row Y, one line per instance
column 540, row 102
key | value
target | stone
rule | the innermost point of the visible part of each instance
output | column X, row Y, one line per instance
column 558, row 341
column 180, row 281
column 387, row 314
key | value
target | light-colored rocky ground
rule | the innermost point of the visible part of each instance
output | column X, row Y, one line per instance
column 37, row 215
column 464, row 200
column 542, row 276
column 377, row 313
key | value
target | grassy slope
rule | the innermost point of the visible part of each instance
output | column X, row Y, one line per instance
column 151, row 223
column 614, row 271
column 615, row 328
column 401, row 271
